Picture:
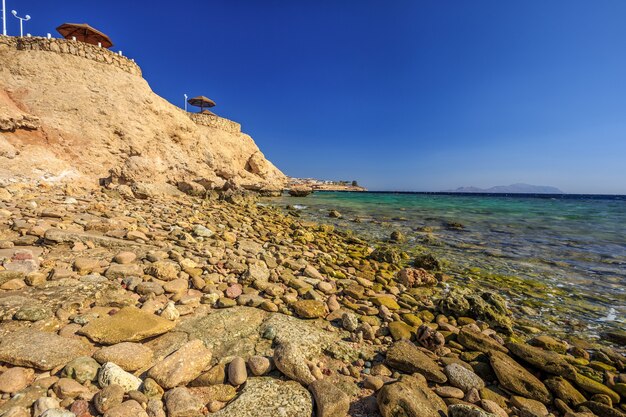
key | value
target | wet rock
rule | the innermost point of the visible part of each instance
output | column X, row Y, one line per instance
column 266, row 396
column 409, row 397
column 386, row 254
column 180, row 403
column 182, row 366
column 463, row 378
column 330, row 400
column 128, row 325
column 404, row 356
column 127, row 355
column 517, row 379
column 111, row 374
column 427, row 262
column 40, row 350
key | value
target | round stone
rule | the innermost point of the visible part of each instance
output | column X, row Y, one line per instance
column 259, row 365
column 237, row 373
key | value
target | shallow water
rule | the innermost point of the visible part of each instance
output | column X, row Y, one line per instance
column 564, row 256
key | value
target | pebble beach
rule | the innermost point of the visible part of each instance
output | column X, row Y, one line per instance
column 119, row 304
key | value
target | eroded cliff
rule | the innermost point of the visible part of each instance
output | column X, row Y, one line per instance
column 74, row 111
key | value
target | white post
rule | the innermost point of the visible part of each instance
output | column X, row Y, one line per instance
column 49, row 36
column 99, row 44
column 4, row 17
column 74, row 38
column 21, row 28
column 185, row 101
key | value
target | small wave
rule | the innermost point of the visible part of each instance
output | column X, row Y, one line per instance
column 299, row 206
column 611, row 316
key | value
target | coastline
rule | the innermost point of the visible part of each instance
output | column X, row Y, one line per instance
column 377, row 321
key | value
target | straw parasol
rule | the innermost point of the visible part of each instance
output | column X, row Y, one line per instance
column 84, row 33
column 205, row 111
column 202, row 102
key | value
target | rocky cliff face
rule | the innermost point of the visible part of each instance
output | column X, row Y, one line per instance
column 64, row 115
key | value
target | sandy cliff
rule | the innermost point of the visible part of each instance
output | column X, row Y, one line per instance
column 64, row 114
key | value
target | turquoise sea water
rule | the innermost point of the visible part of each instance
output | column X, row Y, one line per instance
column 562, row 256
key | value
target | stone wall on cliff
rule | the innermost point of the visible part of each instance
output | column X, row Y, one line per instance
column 71, row 47
column 86, row 113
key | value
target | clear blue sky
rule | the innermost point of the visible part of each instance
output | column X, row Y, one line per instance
column 411, row 95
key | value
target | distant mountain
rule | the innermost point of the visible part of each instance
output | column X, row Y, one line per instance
column 510, row 189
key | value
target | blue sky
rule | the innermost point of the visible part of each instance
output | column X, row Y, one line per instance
column 407, row 95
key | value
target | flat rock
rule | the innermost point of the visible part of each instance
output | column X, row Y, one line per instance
column 182, row 366
column 517, row 379
column 238, row 331
column 40, row 350
column 262, row 397
column 409, row 397
column 405, row 356
column 545, row 360
column 127, row 355
column 130, row 324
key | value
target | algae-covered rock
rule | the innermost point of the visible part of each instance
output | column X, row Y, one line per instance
column 405, row 356
column 479, row 342
column 515, row 378
column 594, row 387
column 562, row 389
column 487, row 306
column 547, row 361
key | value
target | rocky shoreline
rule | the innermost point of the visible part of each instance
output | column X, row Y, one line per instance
column 185, row 306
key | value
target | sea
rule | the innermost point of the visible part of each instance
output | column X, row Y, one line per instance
column 560, row 260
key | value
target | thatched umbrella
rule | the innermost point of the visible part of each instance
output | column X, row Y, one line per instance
column 209, row 112
column 84, row 33
column 202, row 102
